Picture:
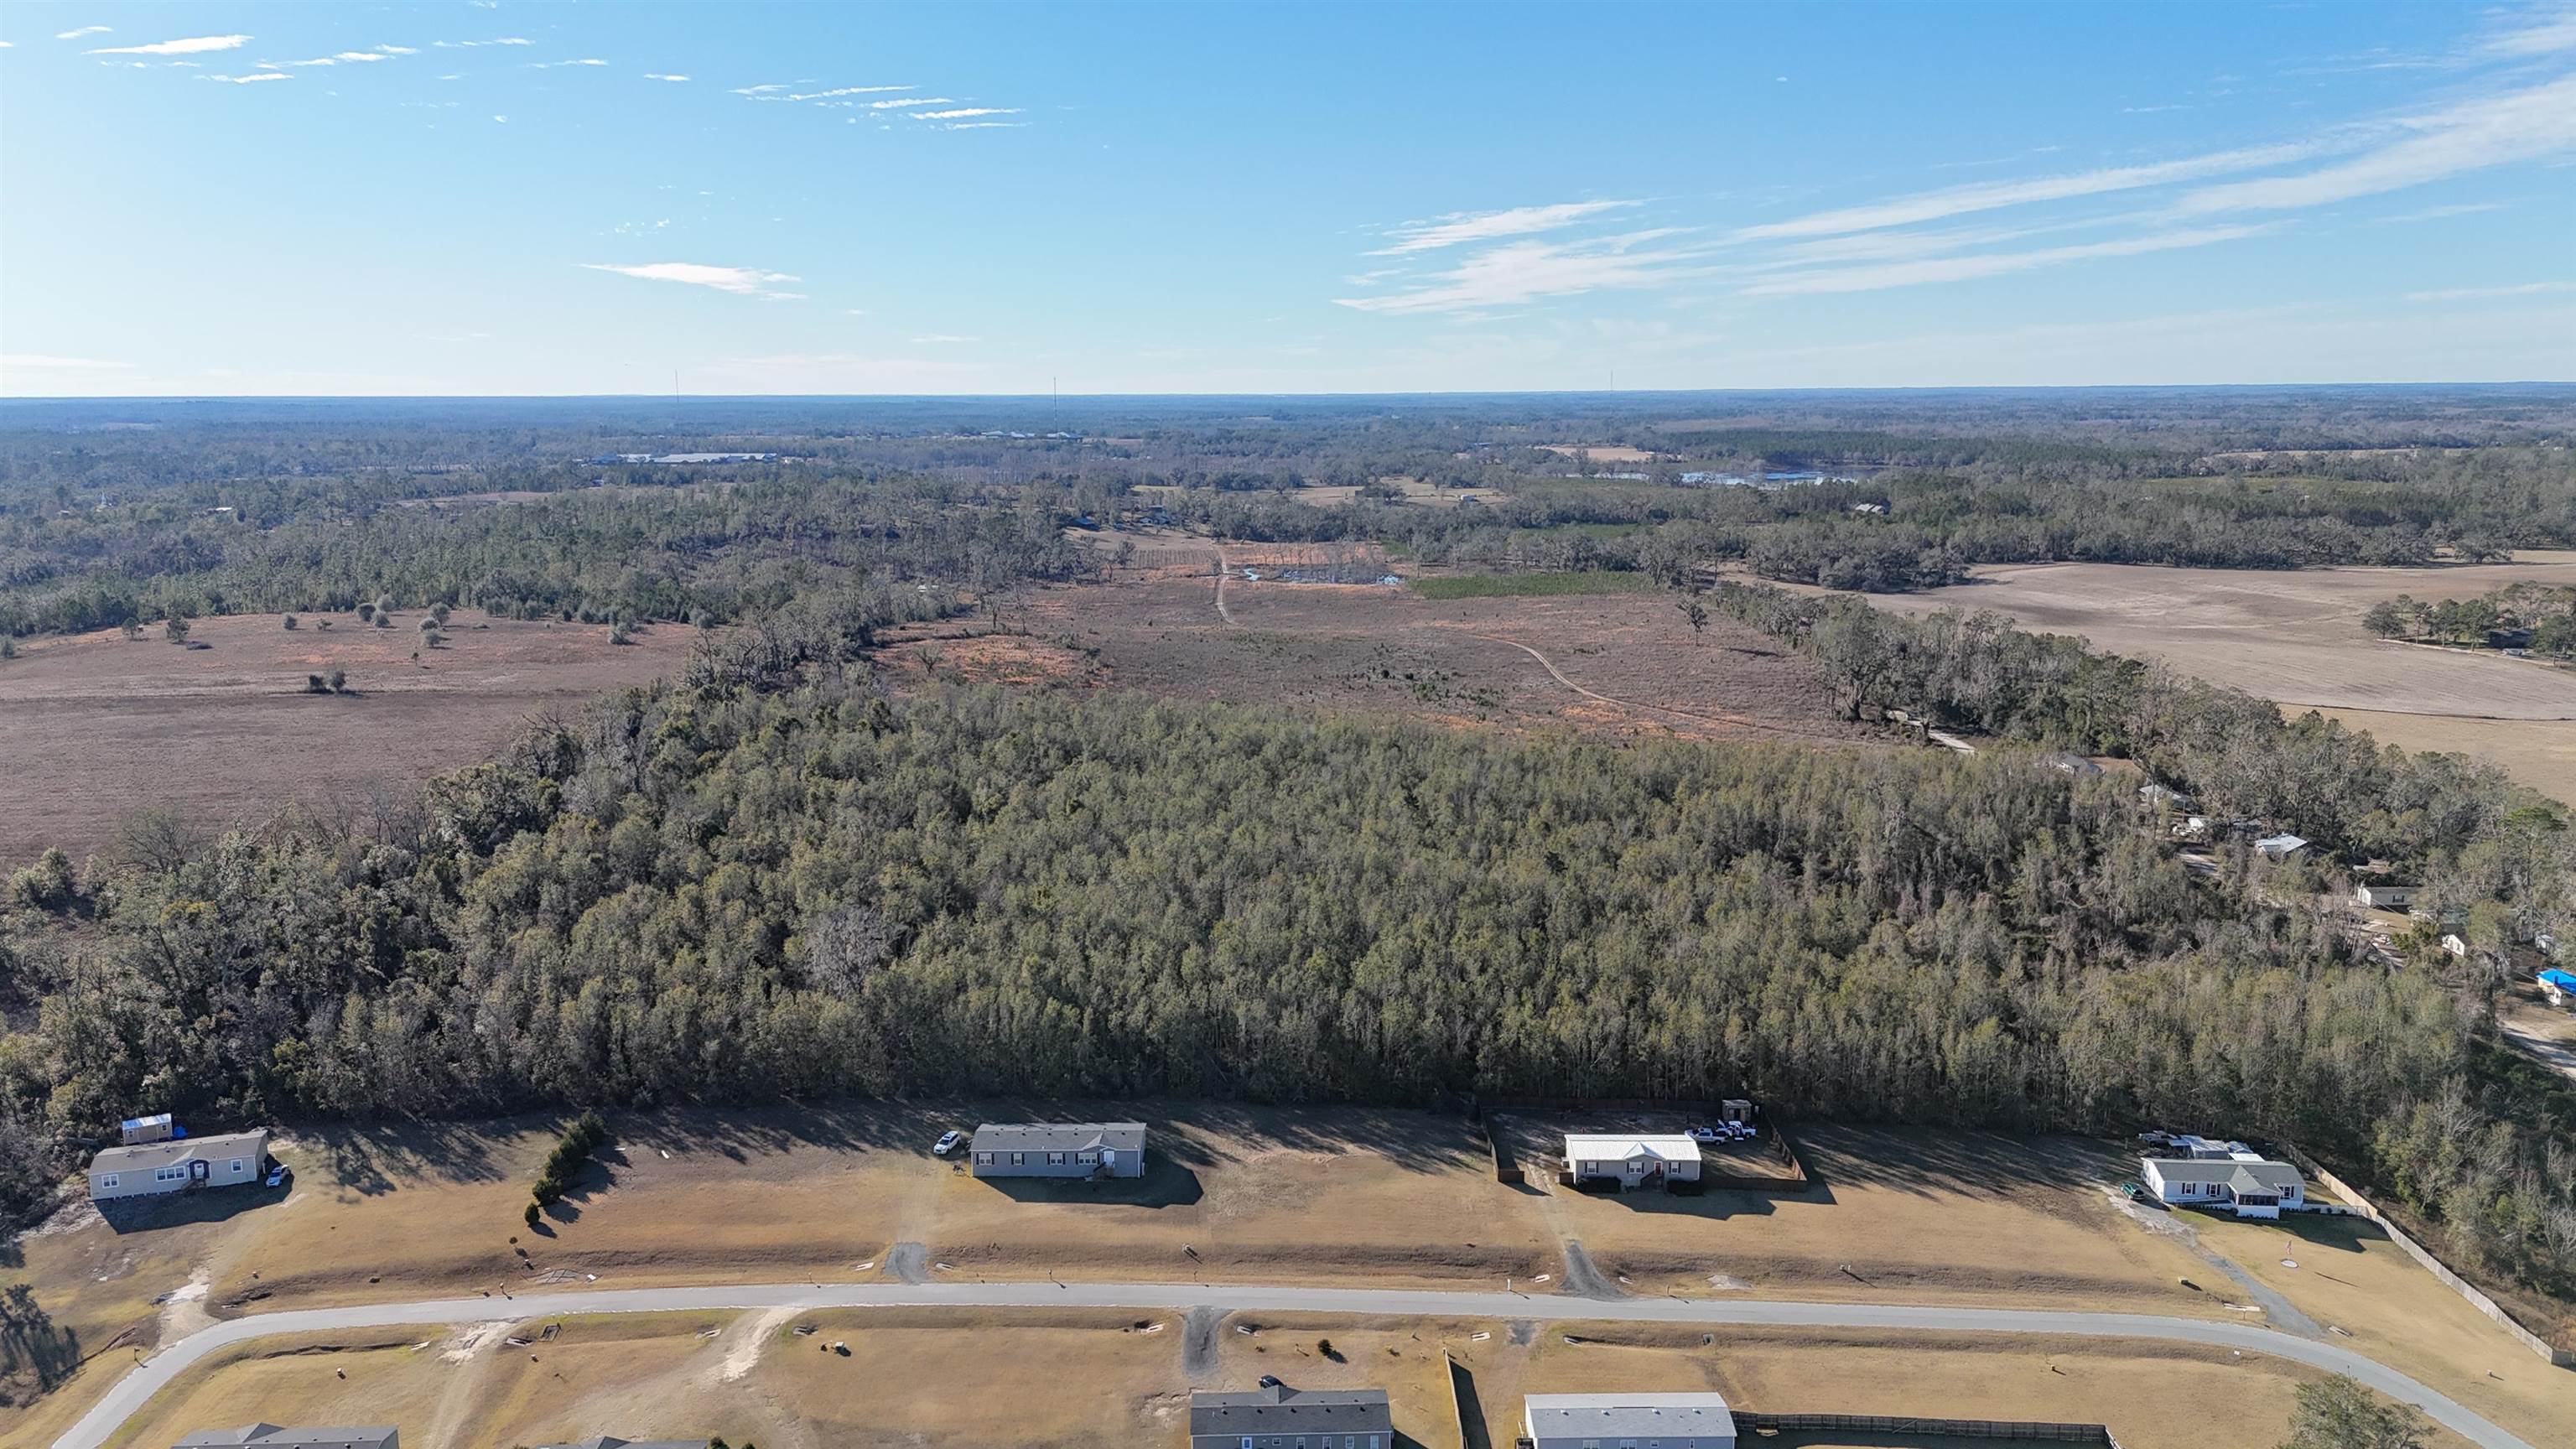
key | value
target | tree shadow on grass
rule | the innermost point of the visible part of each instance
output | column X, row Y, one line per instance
column 31, row 1343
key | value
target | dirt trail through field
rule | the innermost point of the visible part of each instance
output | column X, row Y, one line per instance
column 1597, row 697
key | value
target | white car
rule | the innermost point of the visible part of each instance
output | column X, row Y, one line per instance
column 1707, row 1134
column 948, row 1142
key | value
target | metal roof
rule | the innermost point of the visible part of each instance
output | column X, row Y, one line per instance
column 1059, row 1136
column 270, row 1436
column 1627, row 1415
column 1282, row 1410
column 144, row 1156
column 2239, row 1176
column 1619, row 1147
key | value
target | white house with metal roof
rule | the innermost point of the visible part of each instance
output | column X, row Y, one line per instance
column 1276, row 1416
column 1619, row 1421
column 231, row 1159
column 270, row 1436
column 2249, row 1188
column 1636, row 1159
column 1058, row 1149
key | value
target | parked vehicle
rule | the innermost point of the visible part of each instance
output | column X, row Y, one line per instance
column 1712, row 1134
column 948, row 1142
column 279, row 1174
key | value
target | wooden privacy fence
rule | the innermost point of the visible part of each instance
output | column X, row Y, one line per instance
column 2478, row 1300
column 2100, row 1434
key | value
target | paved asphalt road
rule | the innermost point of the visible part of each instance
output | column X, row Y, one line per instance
column 137, row 1387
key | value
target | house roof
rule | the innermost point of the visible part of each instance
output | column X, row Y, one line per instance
column 1279, row 1409
column 2560, row 979
column 1059, row 1136
column 270, row 1436
column 1627, row 1415
column 611, row 1441
column 2281, row 844
column 1620, row 1147
column 144, row 1156
column 2236, row 1176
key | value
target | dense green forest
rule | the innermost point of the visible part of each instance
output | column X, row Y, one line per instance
column 2540, row 618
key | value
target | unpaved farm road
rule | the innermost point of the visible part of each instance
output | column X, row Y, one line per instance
column 137, row 1387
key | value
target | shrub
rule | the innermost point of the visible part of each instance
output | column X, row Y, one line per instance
column 8, row 646
column 439, row 613
column 338, row 679
column 572, row 1152
column 176, row 629
column 288, row 622
column 533, row 1211
column 383, row 620
column 366, row 611
column 313, row 684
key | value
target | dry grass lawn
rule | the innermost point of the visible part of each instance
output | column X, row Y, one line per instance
column 2539, row 753
column 1031, row 1379
column 100, row 727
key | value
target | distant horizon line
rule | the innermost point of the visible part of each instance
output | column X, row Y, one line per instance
column 1024, row 397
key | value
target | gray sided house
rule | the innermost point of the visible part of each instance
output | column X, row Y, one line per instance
column 1594, row 1421
column 2243, row 1184
column 270, row 1436
column 1279, row 1417
column 1058, row 1149
column 229, row 1160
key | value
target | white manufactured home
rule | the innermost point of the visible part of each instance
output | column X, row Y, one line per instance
column 1058, row 1149
column 1596, row 1421
column 1635, row 1159
column 2249, row 1189
column 233, row 1159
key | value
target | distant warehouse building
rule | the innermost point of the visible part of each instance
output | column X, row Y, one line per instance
column 1633, row 1159
column 1279, row 1417
column 1059, row 1149
column 177, row 1164
column 2243, row 1184
column 1591, row 1421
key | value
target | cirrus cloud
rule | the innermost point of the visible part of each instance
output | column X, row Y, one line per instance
column 195, row 45
column 740, row 281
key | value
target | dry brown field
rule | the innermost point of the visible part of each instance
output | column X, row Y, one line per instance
column 99, row 727
column 2295, row 636
column 851, row 1195
column 1600, row 452
column 1036, row 1379
column 1630, row 666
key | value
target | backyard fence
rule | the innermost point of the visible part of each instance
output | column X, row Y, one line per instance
column 1953, row 1428
column 2478, row 1300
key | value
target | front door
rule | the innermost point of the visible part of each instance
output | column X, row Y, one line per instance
column 199, row 1169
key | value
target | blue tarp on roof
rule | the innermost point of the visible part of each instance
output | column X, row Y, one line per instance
column 2559, row 979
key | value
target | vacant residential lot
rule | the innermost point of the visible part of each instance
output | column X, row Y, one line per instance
column 1626, row 665
column 1030, row 1379
column 100, row 727
column 2295, row 636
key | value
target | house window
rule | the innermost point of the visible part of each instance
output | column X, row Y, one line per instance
column 1086, row 1157
column 1019, row 1159
column 169, row 1174
column 108, row 1182
column 237, row 1162
column 983, row 1159
column 1055, row 1159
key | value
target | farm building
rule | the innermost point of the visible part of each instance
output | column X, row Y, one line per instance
column 1634, row 1159
column 1279, row 1417
column 2281, row 848
column 177, row 1164
column 2558, row 986
column 2386, row 897
column 270, row 1436
column 2256, row 1189
column 1059, row 1149
column 1588, row 1421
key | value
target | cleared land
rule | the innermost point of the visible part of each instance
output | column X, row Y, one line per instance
column 2295, row 636
column 1625, row 665
column 99, row 726
column 1351, row 1197
column 1038, row 1379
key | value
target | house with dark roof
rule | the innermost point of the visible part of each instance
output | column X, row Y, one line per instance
column 1058, row 1149
column 1276, row 1416
column 2241, row 1183
column 176, row 1164
column 270, row 1436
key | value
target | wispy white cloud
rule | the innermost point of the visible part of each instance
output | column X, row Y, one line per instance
column 986, row 126
column 907, row 102
column 2471, row 294
column 2544, row 34
column 1523, row 271
column 195, row 45
column 2470, row 136
column 741, row 281
column 1990, row 264
column 560, row 64
column 650, row 75
column 2436, row 213
column 943, row 339
column 84, row 30
column 1475, row 226
column 965, row 113
column 479, row 44
column 1995, row 195
column 251, row 79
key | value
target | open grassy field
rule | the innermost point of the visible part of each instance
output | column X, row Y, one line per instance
column 1033, row 1379
column 1622, row 664
column 1506, row 586
column 99, row 726
column 2296, row 636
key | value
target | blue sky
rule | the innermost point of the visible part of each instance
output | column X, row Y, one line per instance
column 216, row 198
